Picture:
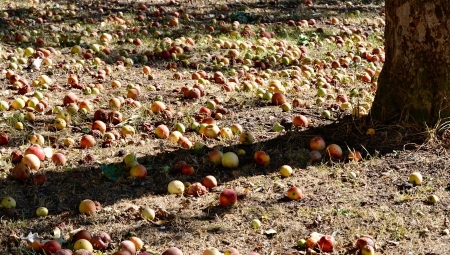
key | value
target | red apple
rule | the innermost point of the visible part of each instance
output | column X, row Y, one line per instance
column 59, row 159
column 4, row 139
column 300, row 121
column 162, row 131
column 209, row 182
column 20, row 172
column 326, row 243
column 333, row 151
column 216, row 157
column 227, row 197
column 99, row 125
column 317, row 143
column 36, row 150
column 294, row 193
column 173, row 251
column 138, row 171
column 39, row 179
column 187, row 169
column 262, row 158
column 87, row 141
column 51, row 247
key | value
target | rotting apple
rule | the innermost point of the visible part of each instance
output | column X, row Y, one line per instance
column 228, row 197
column 261, row 158
column 20, row 172
column 363, row 241
column 100, row 241
column 82, row 234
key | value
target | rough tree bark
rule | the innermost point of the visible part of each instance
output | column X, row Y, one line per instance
column 414, row 85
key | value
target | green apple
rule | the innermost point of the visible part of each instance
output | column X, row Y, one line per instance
column 4, row 106
column 277, row 127
column 42, row 212
column 256, row 223
column 8, row 202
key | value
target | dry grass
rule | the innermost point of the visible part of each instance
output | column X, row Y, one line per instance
column 373, row 202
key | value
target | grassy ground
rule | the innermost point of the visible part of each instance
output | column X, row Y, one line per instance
column 319, row 56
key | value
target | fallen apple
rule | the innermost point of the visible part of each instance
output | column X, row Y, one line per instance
column 32, row 161
column 227, row 197
column 138, row 243
column 230, row 160
column 8, row 202
column 326, row 243
column 246, row 138
column 51, row 247
column 285, row 171
column 261, row 158
column 333, row 151
column 211, row 251
column 87, row 206
column 42, row 212
column 83, row 244
column 294, row 193
column 128, row 245
column 148, row 213
column 172, row 251
column 367, row 250
column 100, row 241
column 215, row 156
column 317, row 143
column 256, row 223
column 415, row 178
column 20, row 172
column 138, row 171
column 175, row 187
column 209, row 182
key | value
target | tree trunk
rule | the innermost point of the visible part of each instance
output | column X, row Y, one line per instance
column 414, row 85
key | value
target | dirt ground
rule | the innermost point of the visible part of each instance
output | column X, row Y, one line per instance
column 342, row 198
